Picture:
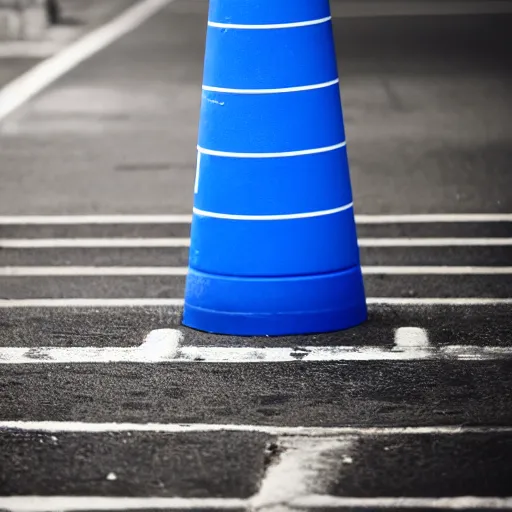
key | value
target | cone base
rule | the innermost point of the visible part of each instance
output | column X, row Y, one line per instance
column 274, row 306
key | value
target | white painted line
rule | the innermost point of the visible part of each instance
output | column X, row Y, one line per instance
column 411, row 339
column 306, row 466
column 102, row 503
column 435, row 270
column 306, row 23
column 121, row 242
column 375, row 504
column 302, row 152
column 161, row 344
column 30, row 220
column 438, row 301
column 91, row 243
column 165, row 347
column 80, row 355
column 475, row 353
column 51, row 220
column 271, row 91
column 59, row 355
column 175, row 302
column 433, row 242
column 178, row 428
column 289, row 216
column 434, row 218
column 89, row 303
column 39, row 77
column 212, row 354
column 64, row 271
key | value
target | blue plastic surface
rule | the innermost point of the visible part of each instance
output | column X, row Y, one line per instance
column 269, row 58
column 273, row 243
column 271, row 122
column 271, row 307
column 255, row 12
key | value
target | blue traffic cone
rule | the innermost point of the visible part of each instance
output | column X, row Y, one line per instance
column 273, row 242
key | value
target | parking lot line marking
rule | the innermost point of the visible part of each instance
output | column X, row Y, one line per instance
column 67, row 271
column 92, row 271
column 434, row 218
column 179, row 302
column 187, row 219
column 102, row 503
column 90, row 303
column 50, row 220
column 433, row 242
column 85, row 271
column 437, row 301
column 305, row 466
column 164, row 347
column 23, row 88
column 385, row 503
column 178, row 428
column 435, row 270
column 125, row 242
column 76, row 503
column 70, row 243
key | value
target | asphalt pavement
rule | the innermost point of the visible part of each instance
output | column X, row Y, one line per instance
column 415, row 419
